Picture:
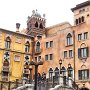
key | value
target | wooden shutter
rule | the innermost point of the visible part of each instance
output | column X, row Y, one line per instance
column 79, row 52
column 79, row 74
column 87, row 50
column 87, row 73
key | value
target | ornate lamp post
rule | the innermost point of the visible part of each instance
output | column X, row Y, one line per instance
column 60, row 63
column 36, row 64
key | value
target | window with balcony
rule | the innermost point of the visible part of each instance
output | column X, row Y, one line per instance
column 83, row 74
column 69, row 39
column 83, row 52
column 27, row 46
column 7, row 43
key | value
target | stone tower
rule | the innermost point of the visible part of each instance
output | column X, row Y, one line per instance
column 36, row 24
column 82, row 13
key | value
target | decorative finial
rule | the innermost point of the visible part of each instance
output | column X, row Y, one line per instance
column 44, row 15
column 33, row 12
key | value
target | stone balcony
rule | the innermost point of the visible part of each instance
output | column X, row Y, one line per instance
column 37, row 51
column 5, row 69
column 4, row 78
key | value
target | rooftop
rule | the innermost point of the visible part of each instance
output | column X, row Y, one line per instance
column 81, row 5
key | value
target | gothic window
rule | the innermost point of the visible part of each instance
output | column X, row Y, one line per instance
column 41, row 26
column 82, row 19
column 7, row 43
column 69, row 39
column 51, row 74
column 36, row 24
column 79, row 20
column 27, row 46
column 38, row 47
column 56, row 72
column 63, row 70
column 70, row 70
column 76, row 21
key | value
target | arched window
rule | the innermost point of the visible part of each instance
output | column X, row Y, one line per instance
column 7, row 42
column 38, row 47
column 27, row 46
column 69, row 39
column 76, row 21
column 82, row 18
column 79, row 20
column 70, row 70
column 50, row 74
column 63, row 70
column 41, row 26
column 36, row 24
column 56, row 71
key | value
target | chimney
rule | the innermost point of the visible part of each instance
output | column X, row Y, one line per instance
column 17, row 27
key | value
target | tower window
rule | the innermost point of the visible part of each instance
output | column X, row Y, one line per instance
column 36, row 24
column 41, row 26
column 76, row 21
column 79, row 20
column 82, row 19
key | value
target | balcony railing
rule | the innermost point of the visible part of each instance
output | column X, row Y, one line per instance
column 38, row 51
column 5, row 68
column 4, row 78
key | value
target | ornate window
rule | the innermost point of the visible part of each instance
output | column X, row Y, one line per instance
column 38, row 47
column 63, row 70
column 70, row 70
column 36, row 24
column 7, row 42
column 69, row 39
column 27, row 46
column 51, row 74
column 6, row 56
column 56, row 72
column 41, row 26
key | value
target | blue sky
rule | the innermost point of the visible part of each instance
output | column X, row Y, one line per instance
column 57, row 11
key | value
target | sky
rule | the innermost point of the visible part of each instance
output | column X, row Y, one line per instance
column 17, row 11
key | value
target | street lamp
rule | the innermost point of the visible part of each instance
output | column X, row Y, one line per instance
column 70, row 69
column 36, row 64
column 60, row 63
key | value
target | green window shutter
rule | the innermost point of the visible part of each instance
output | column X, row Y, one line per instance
column 79, row 53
